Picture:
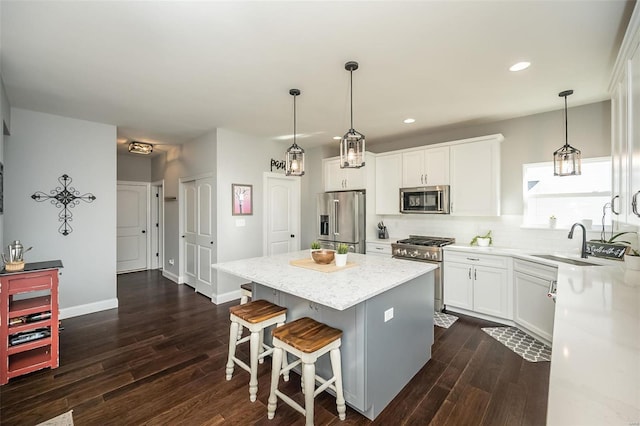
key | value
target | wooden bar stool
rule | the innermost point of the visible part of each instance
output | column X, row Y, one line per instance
column 256, row 316
column 246, row 293
column 308, row 340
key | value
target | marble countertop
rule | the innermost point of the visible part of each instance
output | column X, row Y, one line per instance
column 339, row 290
column 595, row 363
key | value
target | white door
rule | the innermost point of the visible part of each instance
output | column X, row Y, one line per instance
column 132, row 227
column 204, row 236
column 282, row 218
column 189, row 232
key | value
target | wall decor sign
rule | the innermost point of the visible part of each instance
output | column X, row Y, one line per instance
column 241, row 199
column 606, row 250
column 278, row 164
column 64, row 197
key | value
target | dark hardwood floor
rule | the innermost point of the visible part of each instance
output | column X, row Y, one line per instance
column 160, row 360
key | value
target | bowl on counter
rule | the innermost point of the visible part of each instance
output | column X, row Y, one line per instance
column 323, row 256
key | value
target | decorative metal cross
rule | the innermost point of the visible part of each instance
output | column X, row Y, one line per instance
column 64, row 197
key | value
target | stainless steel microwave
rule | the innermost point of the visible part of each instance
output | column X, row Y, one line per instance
column 425, row 199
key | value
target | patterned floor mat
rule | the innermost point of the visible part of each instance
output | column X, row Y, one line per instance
column 521, row 343
column 443, row 320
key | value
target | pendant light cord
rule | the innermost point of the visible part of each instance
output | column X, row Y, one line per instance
column 294, row 120
column 351, row 91
column 566, row 125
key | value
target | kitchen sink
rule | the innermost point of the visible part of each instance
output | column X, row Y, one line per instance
column 565, row 260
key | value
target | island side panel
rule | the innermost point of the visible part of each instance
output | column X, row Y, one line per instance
column 398, row 348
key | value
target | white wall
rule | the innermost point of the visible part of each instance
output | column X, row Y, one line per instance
column 241, row 159
column 5, row 123
column 41, row 148
column 134, row 168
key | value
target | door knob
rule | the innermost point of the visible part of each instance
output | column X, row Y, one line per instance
column 144, row 231
column 211, row 242
column 293, row 236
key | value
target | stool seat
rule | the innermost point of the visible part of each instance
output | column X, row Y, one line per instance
column 256, row 311
column 306, row 334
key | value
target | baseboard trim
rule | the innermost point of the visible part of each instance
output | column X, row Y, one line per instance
column 89, row 308
column 226, row 297
column 168, row 275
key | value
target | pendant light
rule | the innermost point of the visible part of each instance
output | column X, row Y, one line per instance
column 294, row 159
column 352, row 143
column 566, row 160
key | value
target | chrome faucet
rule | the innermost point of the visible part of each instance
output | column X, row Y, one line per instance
column 583, row 253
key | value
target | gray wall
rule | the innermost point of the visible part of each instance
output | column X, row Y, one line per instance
column 5, row 122
column 134, row 168
column 41, row 148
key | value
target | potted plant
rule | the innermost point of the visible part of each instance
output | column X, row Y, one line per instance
column 482, row 240
column 315, row 246
column 341, row 254
column 632, row 260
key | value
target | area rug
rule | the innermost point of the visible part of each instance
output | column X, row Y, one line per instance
column 65, row 419
column 443, row 320
column 521, row 343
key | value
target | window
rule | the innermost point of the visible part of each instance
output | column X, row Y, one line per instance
column 569, row 198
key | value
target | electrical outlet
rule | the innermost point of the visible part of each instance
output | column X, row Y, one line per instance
column 388, row 314
column 240, row 222
column 171, row 262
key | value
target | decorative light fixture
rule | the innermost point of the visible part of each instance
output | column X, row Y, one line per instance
column 294, row 159
column 566, row 160
column 352, row 143
column 140, row 147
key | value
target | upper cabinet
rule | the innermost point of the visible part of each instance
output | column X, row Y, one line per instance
column 625, row 126
column 388, row 183
column 475, row 177
column 428, row 166
column 337, row 179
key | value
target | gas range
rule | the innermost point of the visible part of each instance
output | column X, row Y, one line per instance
column 417, row 247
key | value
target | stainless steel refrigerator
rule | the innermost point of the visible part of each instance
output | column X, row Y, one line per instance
column 341, row 219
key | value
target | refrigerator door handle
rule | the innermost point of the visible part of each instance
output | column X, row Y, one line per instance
column 336, row 228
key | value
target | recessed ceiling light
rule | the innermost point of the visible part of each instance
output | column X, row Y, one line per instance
column 409, row 120
column 520, row 66
column 337, row 138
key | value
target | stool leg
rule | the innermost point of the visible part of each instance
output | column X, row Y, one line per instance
column 243, row 299
column 253, row 382
column 337, row 372
column 275, row 377
column 260, row 346
column 233, row 333
column 309, row 374
column 285, row 362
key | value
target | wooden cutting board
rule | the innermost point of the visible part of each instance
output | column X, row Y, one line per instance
column 308, row 263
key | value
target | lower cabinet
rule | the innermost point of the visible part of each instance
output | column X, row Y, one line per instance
column 534, row 310
column 379, row 249
column 478, row 283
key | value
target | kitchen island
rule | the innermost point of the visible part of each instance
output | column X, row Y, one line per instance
column 383, row 306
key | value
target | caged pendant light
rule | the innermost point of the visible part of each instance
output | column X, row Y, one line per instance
column 352, row 143
column 136, row 147
column 294, row 158
column 566, row 160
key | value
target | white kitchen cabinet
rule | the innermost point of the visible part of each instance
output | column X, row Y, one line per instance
column 379, row 249
column 625, row 127
column 475, row 177
column 478, row 283
column 338, row 179
column 533, row 310
column 427, row 166
column 388, row 183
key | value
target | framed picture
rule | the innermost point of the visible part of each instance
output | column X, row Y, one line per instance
column 241, row 199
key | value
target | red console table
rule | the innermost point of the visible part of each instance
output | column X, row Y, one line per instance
column 28, row 319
